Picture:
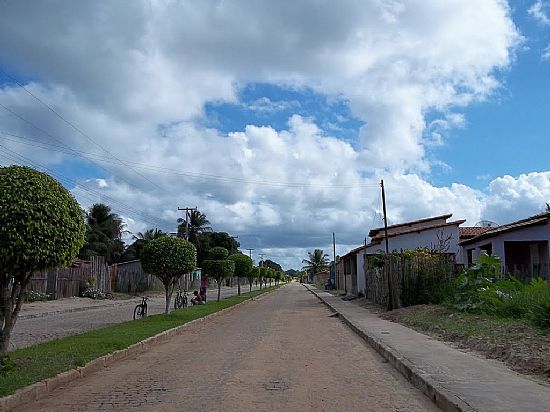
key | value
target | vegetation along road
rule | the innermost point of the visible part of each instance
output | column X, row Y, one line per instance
column 283, row 352
column 32, row 331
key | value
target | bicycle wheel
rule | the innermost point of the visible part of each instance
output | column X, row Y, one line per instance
column 138, row 313
column 144, row 311
column 185, row 303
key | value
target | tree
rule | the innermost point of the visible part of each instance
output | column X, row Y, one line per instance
column 169, row 258
column 317, row 262
column 263, row 276
column 254, row 273
column 103, row 234
column 292, row 273
column 243, row 266
column 196, row 224
column 41, row 227
column 272, row 265
column 218, row 266
column 209, row 240
column 134, row 251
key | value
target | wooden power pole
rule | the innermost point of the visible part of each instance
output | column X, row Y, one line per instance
column 390, row 291
column 187, row 210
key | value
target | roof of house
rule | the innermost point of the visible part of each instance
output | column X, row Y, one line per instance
column 471, row 231
column 380, row 237
column 539, row 219
column 352, row 252
column 375, row 231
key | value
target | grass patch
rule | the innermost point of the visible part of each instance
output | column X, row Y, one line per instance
column 39, row 362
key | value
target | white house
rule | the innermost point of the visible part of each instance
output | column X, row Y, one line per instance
column 434, row 233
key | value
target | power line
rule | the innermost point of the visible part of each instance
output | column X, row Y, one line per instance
column 64, row 179
column 70, row 151
column 197, row 175
column 73, row 126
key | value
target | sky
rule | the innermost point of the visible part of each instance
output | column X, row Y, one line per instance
column 278, row 120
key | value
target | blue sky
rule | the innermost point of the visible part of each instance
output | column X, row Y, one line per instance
column 281, row 124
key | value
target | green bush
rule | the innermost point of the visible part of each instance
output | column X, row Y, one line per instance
column 541, row 315
column 476, row 290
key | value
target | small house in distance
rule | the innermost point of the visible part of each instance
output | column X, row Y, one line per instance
column 523, row 246
column 434, row 233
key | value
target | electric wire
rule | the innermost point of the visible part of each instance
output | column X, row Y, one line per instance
column 197, row 175
column 88, row 192
column 74, row 127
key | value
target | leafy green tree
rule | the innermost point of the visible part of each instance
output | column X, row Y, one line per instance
column 218, row 266
column 209, row 240
column 134, row 251
column 263, row 276
column 317, row 262
column 292, row 273
column 243, row 266
column 268, row 263
column 41, row 227
column 253, row 273
column 196, row 224
column 169, row 258
column 104, row 231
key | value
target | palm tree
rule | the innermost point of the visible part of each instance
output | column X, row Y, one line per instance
column 149, row 234
column 104, row 231
column 197, row 224
column 317, row 262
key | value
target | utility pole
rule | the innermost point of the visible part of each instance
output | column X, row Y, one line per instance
column 187, row 210
column 390, row 292
column 250, row 251
column 261, row 265
column 334, row 257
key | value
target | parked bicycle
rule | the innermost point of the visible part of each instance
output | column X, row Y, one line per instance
column 180, row 301
column 140, row 310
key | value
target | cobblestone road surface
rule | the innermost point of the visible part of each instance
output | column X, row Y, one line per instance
column 30, row 331
column 283, row 352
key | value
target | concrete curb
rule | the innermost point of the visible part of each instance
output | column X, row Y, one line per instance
column 444, row 399
column 41, row 389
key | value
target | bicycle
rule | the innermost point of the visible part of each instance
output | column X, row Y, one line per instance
column 180, row 301
column 140, row 311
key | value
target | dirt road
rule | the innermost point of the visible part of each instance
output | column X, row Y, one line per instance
column 33, row 330
column 283, row 352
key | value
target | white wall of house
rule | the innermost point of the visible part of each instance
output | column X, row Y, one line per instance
column 361, row 282
column 532, row 233
column 425, row 238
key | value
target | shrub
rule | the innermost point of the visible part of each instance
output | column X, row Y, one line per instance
column 541, row 315
column 37, row 296
column 93, row 293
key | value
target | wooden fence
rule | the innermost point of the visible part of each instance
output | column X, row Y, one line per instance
column 129, row 277
column 68, row 282
column 412, row 278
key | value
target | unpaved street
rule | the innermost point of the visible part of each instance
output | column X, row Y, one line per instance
column 34, row 330
column 283, row 352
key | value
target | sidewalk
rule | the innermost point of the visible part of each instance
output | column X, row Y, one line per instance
column 75, row 304
column 454, row 380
